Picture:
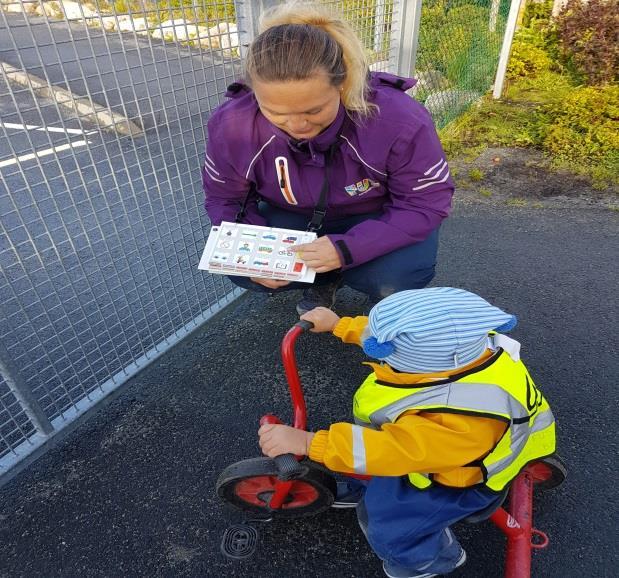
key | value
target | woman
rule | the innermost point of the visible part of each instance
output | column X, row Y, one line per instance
column 313, row 140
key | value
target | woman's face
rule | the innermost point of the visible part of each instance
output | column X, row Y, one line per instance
column 302, row 108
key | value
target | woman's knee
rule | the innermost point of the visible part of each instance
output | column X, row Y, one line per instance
column 380, row 286
column 411, row 267
column 380, row 282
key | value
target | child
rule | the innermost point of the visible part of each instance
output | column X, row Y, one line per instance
column 444, row 423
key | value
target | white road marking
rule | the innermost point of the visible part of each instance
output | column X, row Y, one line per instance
column 45, row 128
column 49, row 151
column 43, row 153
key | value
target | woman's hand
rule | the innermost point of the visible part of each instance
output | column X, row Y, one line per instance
column 278, row 439
column 270, row 283
column 323, row 319
column 320, row 255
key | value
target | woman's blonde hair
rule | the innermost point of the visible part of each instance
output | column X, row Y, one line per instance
column 299, row 38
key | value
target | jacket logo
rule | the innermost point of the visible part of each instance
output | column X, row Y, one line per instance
column 361, row 187
column 534, row 396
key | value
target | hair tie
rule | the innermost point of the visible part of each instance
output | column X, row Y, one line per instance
column 378, row 350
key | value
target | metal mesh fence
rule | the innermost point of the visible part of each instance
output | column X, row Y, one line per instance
column 458, row 51
column 102, row 140
column 372, row 21
column 102, row 114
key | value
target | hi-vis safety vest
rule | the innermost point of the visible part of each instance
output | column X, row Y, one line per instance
column 499, row 388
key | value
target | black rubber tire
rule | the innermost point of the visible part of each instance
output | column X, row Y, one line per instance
column 555, row 470
column 323, row 484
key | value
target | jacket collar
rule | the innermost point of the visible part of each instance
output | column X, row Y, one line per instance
column 318, row 144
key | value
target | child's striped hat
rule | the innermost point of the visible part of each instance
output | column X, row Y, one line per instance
column 435, row 329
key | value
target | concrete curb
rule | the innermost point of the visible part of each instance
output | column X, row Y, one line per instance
column 105, row 118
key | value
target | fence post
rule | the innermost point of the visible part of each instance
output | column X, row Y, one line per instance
column 248, row 14
column 494, row 13
column 22, row 393
column 407, row 36
column 510, row 28
column 379, row 27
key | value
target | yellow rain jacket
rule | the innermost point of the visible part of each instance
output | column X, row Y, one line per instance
column 448, row 446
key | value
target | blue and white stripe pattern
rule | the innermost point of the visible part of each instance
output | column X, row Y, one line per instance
column 435, row 329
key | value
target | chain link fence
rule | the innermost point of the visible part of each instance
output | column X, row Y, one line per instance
column 458, row 51
column 102, row 114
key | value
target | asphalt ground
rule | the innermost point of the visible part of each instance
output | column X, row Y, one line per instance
column 131, row 492
column 146, row 80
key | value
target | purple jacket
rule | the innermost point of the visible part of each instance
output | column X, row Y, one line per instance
column 391, row 163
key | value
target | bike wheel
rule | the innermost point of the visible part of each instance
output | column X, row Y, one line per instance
column 249, row 485
column 548, row 472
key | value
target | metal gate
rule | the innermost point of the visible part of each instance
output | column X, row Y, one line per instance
column 102, row 114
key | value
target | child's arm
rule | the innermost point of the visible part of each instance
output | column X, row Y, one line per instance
column 417, row 442
column 348, row 329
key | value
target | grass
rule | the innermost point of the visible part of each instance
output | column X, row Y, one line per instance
column 516, row 202
column 476, row 175
column 544, row 106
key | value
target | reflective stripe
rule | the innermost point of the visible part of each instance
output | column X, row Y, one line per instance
column 434, row 166
column 543, row 420
column 358, row 450
column 473, row 397
column 520, row 434
column 365, row 424
column 208, row 170
column 251, row 164
column 432, row 183
column 359, row 157
column 435, row 175
column 210, row 164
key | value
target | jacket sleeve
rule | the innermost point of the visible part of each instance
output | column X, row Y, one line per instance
column 225, row 188
column 420, row 191
column 417, row 442
column 351, row 329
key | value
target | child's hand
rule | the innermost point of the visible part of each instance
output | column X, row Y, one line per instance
column 278, row 439
column 323, row 319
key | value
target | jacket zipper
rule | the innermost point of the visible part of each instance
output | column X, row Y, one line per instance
column 284, row 180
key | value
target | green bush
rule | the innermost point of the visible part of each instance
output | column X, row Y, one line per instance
column 526, row 59
column 583, row 130
column 536, row 14
column 588, row 34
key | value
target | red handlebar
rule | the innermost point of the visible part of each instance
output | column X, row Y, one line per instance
column 269, row 418
column 299, row 411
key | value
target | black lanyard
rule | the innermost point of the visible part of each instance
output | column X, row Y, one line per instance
column 320, row 210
